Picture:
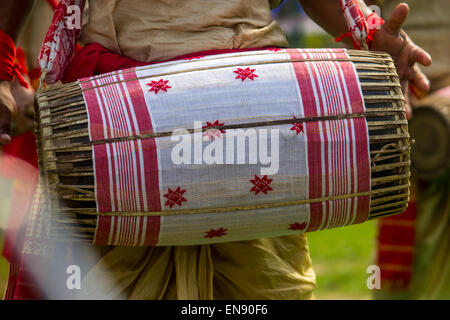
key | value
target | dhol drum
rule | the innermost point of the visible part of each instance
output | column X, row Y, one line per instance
column 430, row 128
column 226, row 147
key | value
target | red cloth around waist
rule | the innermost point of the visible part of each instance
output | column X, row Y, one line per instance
column 94, row 59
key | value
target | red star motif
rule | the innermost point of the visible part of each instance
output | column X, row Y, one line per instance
column 216, row 233
column 192, row 58
column 245, row 73
column 297, row 126
column 274, row 49
column 159, row 85
column 174, row 197
column 261, row 184
column 212, row 133
column 297, row 226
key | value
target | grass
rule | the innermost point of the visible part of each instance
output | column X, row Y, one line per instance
column 340, row 258
column 4, row 269
column 5, row 199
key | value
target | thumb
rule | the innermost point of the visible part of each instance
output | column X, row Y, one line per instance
column 398, row 17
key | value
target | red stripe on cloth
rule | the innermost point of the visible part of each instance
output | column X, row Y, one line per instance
column 392, row 235
column 151, row 174
column 152, row 228
column 145, row 124
column 126, row 172
column 328, row 93
column 357, row 15
column 111, row 103
column 315, row 174
column 324, row 97
column 396, row 257
column 353, row 88
column 96, row 127
column 120, row 234
column 347, row 134
column 312, row 138
column 139, row 162
column 103, row 230
column 363, row 169
column 102, row 190
column 395, row 280
column 132, row 233
column 332, row 88
column 315, row 54
column 129, row 234
column 140, row 229
column 148, row 145
column 362, row 155
column 113, row 233
column 128, row 230
column 339, row 183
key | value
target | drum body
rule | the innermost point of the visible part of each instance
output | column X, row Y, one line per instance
column 224, row 148
column 430, row 128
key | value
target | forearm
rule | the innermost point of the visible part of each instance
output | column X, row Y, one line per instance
column 13, row 15
column 328, row 14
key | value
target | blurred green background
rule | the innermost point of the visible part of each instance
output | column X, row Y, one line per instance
column 6, row 187
column 4, row 269
column 340, row 259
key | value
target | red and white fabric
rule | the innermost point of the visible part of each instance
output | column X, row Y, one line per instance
column 60, row 41
column 356, row 22
column 361, row 29
column 317, row 159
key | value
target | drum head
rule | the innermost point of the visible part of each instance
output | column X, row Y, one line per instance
column 430, row 154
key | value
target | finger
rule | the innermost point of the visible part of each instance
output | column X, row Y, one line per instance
column 407, row 104
column 398, row 17
column 408, row 112
column 419, row 55
column 418, row 79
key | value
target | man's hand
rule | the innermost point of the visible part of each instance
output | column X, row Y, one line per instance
column 24, row 98
column 391, row 39
column 7, row 111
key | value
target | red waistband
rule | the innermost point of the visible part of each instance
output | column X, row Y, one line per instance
column 95, row 59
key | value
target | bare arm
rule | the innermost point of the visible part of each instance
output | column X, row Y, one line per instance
column 13, row 15
column 328, row 15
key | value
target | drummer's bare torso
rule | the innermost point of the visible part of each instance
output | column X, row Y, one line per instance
column 156, row 30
